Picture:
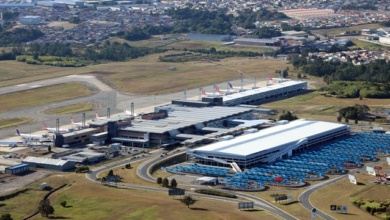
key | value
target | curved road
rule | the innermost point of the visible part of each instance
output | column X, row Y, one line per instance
column 304, row 198
column 143, row 172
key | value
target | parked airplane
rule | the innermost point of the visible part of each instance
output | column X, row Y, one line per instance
column 31, row 136
column 99, row 117
column 127, row 112
column 78, row 124
column 13, row 143
column 53, row 130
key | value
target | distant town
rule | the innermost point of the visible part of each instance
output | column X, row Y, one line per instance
column 88, row 22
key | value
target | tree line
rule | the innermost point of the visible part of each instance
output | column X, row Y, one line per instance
column 376, row 71
column 248, row 17
column 19, row 35
column 360, row 89
column 36, row 53
column 209, row 54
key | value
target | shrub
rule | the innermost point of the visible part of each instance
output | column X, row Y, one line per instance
column 215, row 193
column 63, row 203
column 159, row 180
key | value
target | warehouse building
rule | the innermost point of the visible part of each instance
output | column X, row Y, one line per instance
column 17, row 169
column 28, row 20
column 268, row 145
column 49, row 163
column 85, row 157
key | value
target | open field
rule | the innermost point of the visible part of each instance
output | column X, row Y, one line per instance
column 9, row 122
column 42, row 95
column 146, row 75
column 191, row 44
column 130, row 175
column 336, row 31
column 87, row 200
column 13, row 72
column 316, row 106
column 70, row 109
column 341, row 192
column 367, row 45
column 156, row 78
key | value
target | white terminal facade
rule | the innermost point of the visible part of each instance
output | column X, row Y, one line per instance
column 268, row 145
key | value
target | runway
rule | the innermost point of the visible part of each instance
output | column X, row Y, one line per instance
column 107, row 97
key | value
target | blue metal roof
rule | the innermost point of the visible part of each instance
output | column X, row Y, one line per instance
column 17, row 166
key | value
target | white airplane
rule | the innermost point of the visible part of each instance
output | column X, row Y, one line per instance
column 99, row 117
column 77, row 124
column 53, row 130
column 13, row 143
column 127, row 112
column 31, row 136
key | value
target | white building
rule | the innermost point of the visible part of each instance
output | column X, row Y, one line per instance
column 269, row 144
column 384, row 40
column 30, row 20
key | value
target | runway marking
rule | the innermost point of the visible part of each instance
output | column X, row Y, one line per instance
column 21, row 85
column 80, row 76
column 35, row 86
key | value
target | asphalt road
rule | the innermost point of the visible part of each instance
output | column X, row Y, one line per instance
column 304, row 198
column 143, row 172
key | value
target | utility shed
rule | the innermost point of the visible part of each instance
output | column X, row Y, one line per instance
column 17, row 169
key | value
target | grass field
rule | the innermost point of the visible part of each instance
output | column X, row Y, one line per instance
column 367, row 45
column 13, row 72
column 70, row 109
column 316, row 106
column 336, row 31
column 191, row 44
column 146, row 75
column 9, row 122
column 130, row 175
column 42, row 95
column 156, row 78
column 341, row 192
column 87, row 200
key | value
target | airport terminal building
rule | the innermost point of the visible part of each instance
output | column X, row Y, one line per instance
column 268, row 145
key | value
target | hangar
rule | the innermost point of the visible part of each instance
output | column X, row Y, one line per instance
column 264, row 93
column 49, row 163
column 268, row 145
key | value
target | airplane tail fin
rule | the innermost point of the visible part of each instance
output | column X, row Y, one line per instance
column 17, row 132
column 44, row 126
column 97, row 115
column 71, row 119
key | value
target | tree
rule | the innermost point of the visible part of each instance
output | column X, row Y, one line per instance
column 110, row 173
column 63, row 203
column 165, row 182
column 288, row 116
column 45, row 208
column 173, row 183
column 6, row 217
column 187, row 200
column 159, row 180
